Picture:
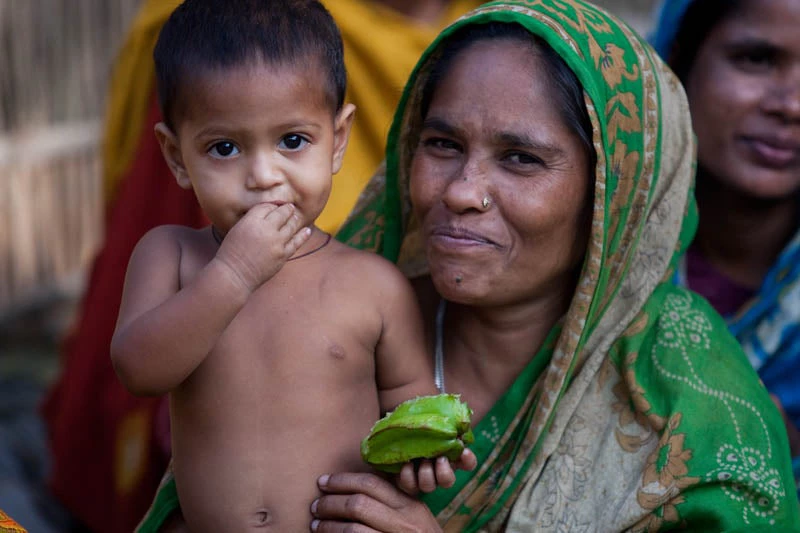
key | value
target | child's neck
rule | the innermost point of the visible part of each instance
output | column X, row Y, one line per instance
column 315, row 243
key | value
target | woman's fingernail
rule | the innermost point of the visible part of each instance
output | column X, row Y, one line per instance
column 323, row 480
column 442, row 459
column 314, row 524
column 314, row 506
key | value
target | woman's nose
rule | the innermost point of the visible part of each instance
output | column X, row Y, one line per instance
column 263, row 173
column 783, row 99
column 467, row 188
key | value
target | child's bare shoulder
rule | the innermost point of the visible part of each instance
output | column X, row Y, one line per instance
column 368, row 269
column 170, row 236
column 172, row 244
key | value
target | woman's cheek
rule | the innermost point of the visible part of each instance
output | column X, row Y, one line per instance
column 422, row 185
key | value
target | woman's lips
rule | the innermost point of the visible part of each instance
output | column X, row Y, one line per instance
column 451, row 237
column 773, row 152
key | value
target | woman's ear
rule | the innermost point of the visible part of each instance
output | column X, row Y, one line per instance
column 171, row 150
column 341, row 134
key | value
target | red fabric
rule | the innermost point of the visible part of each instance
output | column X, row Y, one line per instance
column 87, row 407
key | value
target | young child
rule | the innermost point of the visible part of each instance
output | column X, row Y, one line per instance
column 279, row 346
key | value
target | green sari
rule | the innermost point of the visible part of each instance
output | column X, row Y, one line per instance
column 640, row 411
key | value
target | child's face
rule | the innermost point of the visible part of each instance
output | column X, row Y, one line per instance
column 256, row 134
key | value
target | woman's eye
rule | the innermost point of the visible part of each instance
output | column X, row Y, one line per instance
column 756, row 59
column 439, row 143
column 223, row 150
column 293, row 142
column 522, row 159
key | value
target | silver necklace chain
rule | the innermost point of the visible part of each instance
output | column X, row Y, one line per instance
column 438, row 371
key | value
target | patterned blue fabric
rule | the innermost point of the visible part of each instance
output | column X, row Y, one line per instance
column 768, row 327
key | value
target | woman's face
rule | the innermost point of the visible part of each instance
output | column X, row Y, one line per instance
column 494, row 131
column 744, row 94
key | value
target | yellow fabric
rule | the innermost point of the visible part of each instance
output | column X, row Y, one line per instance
column 381, row 48
column 130, row 91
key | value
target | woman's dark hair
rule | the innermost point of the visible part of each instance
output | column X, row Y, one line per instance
column 700, row 18
column 203, row 35
column 567, row 87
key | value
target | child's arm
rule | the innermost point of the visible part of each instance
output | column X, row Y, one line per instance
column 404, row 367
column 405, row 371
column 164, row 331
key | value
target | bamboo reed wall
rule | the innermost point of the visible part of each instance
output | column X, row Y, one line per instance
column 55, row 56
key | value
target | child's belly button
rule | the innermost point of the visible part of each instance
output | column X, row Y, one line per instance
column 261, row 519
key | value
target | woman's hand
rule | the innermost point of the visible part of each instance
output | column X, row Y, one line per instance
column 366, row 503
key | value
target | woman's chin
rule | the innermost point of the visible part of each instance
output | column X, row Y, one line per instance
column 460, row 286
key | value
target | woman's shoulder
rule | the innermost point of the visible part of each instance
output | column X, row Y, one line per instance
column 691, row 380
column 681, row 347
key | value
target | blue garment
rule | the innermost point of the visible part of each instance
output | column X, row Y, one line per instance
column 768, row 327
column 668, row 21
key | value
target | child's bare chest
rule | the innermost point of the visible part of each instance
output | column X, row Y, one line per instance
column 301, row 329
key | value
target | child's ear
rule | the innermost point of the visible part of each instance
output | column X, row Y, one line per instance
column 172, row 154
column 341, row 134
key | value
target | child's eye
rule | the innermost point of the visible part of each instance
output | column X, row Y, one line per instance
column 223, row 150
column 293, row 142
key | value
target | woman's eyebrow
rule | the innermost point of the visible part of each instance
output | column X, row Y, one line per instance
column 504, row 138
column 522, row 140
column 440, row 125
column 761, row 44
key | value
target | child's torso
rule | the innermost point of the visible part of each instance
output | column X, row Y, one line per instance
column 285, row 396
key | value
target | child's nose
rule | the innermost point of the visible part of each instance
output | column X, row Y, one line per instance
column 263, row 173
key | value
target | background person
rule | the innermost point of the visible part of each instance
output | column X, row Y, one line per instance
column 740, row 64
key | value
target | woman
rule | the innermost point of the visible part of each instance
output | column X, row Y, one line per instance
column 740, row 64
column 537, row 178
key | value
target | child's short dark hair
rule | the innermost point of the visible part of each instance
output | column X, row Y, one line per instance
column 203, row 35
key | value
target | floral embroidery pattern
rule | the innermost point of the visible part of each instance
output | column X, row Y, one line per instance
column 747, row 479
column 741, row 470
column 665, row 477
column 567, row 479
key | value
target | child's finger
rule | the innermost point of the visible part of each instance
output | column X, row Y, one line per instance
column 298, row 240
column 468, row 461
column 262, row 210
column 426, row 477
column 407, row 480
column 445, row 476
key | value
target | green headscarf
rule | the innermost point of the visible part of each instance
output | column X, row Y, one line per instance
column 640, row 411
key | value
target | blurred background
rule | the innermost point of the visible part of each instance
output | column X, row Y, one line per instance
column 54, row 65
column 55, row 59
column 55, row 62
